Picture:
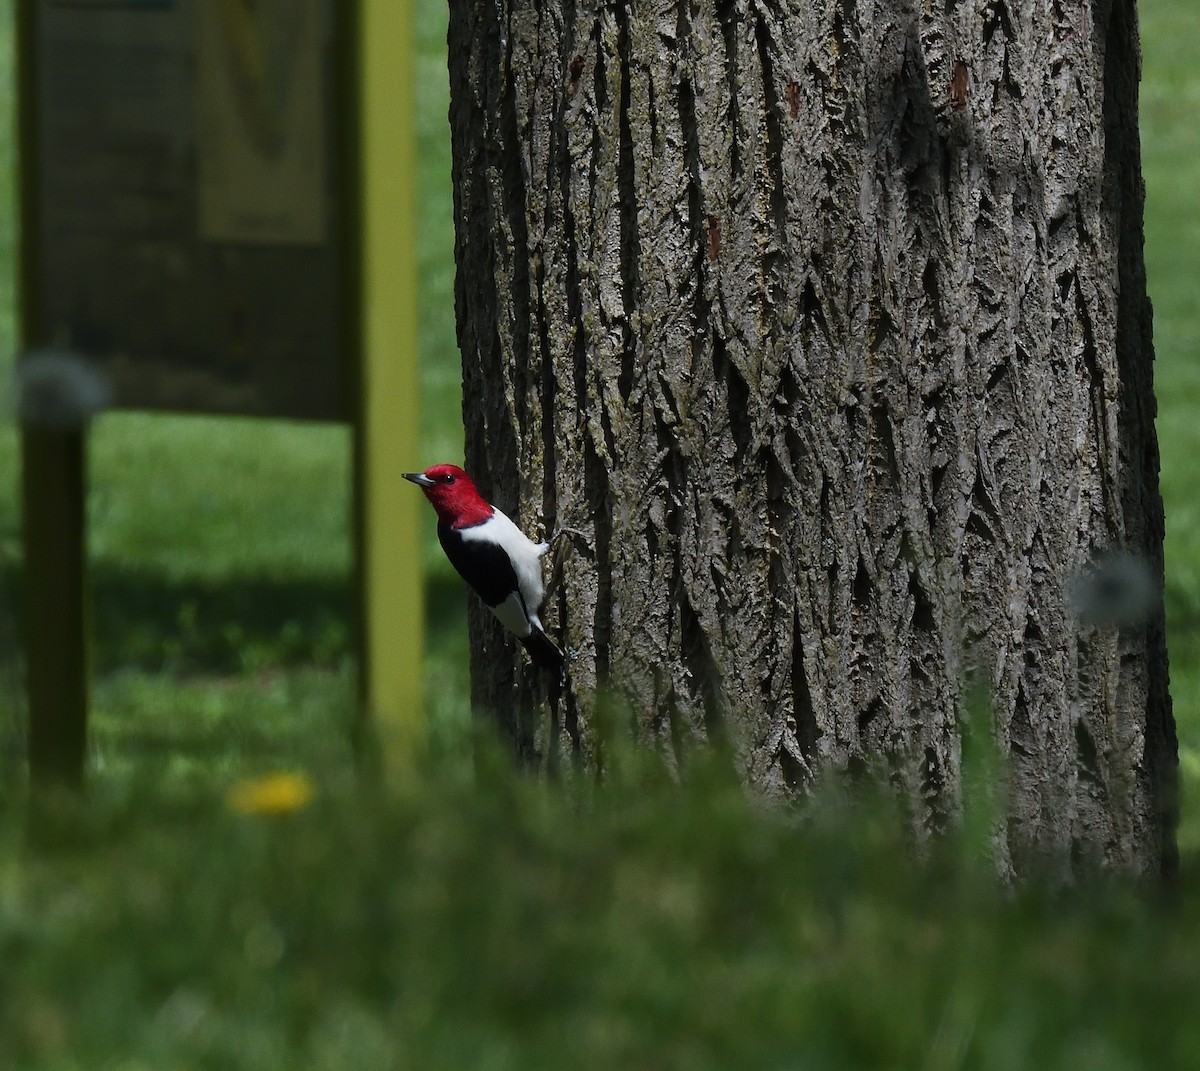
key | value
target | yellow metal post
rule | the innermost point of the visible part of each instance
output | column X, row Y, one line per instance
column 388, row 419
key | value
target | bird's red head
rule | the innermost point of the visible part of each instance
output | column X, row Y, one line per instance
column 453, row 494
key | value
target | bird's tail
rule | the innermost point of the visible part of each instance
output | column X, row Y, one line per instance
column 543, row 651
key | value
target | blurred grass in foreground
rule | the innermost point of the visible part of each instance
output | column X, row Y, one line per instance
column 494, row 922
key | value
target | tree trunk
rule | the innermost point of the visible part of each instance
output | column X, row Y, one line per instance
column 827, row 322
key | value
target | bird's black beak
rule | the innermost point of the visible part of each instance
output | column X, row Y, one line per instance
column 418, row 478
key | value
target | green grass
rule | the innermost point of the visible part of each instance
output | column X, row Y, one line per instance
column 479, row 920
column 1171, row 163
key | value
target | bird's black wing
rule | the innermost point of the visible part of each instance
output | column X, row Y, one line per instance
column 485, row 566
column 543, row 650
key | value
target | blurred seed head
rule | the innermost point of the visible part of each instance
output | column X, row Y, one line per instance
column 59, row 389
column 1116, row 589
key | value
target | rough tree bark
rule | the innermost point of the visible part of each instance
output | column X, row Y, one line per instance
column 827, row 321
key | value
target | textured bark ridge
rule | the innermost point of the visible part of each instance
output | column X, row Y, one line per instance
column 827, row 321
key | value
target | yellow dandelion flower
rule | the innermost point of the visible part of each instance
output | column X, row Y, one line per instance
column 273, row 793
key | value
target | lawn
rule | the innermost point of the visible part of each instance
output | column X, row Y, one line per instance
column 1171, row 162
column 479, row 920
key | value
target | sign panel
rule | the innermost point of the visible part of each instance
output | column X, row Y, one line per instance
column 260, row 138
column 186, row 201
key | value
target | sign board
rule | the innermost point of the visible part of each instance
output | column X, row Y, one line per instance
column 217, row 209
column 188, row 180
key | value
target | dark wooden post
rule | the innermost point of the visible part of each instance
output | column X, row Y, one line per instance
column 53, row 498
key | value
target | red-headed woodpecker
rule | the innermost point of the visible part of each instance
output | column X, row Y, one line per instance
column 492, row 555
